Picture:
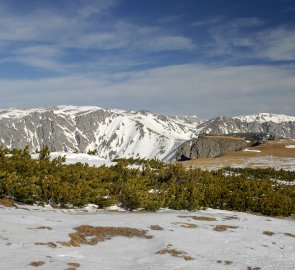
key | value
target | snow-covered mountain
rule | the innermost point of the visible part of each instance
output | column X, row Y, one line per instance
column 114, row 133
column 119, row 133
column 266, row 117
column 282, row 126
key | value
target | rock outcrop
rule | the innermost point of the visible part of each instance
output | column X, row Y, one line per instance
column 208, row 146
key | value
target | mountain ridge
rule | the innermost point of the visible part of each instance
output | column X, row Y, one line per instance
column 120, row 133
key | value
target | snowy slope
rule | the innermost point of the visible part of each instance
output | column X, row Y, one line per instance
column 30, row 234
column 113, row 133
column 118, row 133
column 266, row 117
column 72, row 158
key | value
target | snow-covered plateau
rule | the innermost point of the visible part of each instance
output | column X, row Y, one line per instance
column 205, row 239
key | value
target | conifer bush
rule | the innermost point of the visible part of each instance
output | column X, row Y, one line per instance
column 152, row 185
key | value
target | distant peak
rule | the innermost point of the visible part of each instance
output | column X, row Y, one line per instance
column 266, row 117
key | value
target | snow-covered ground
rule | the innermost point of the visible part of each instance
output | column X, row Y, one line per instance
column 253, row 241
column 72, row 158
column 277, row 163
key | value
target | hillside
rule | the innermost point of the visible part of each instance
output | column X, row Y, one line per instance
column 118, row 133
column 113, row 133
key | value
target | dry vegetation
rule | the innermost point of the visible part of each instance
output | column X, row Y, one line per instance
column 75, row 265
column 222, row 228
column 185, row 225
column 270, row 148
column 230, row 218
column 224, row 262
column 174, row 253
column 37, row 263
column 290, row 234
column 156, row 228
column 89, row 235
column 41, row 228
column 268, row 233
column 200, row 218
column 7, row 202
column 48, row 244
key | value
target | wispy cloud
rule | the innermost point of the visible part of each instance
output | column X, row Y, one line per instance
column 62, row 32
column 191, row 89
column 268, row 43
column 207, row 22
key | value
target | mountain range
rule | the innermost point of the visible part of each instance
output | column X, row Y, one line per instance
column 119, row 133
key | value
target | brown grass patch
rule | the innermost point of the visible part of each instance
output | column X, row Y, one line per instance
column 156, row 228
column 174, row 253
column 37, row 264
column 201, row 218
column 222, row 228
column 70, row 268
column 75, row 265
column 276, row 149
column 7, row 202
column 289, row 234
column 253, row 268
column 48, row 244
column 185, row 225
column 89, row 235
column 268, row 233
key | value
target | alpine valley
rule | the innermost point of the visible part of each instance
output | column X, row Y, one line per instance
column 116, row 133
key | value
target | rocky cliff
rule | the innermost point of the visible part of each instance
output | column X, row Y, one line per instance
column 208, row 146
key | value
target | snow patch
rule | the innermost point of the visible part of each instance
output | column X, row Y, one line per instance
column 290, row 146
column 252, row 150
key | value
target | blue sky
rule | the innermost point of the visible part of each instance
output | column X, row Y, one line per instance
column 206, row 58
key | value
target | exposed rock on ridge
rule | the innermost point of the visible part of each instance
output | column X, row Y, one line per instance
column 208, row 146
column 113, row 133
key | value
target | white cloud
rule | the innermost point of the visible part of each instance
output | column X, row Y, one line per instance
column 207, row 22
column 186, row 89
column 62, row 31
column 275, row 43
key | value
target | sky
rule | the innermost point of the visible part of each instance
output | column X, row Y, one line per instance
column 189, row 57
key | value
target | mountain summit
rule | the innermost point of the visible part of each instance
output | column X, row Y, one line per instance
column 119, row 133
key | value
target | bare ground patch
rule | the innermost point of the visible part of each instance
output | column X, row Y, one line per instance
column 48, row 244
column 185, row 225
column 268, row 233
column 222, row 228
column 7, row 202
column 89, row 235
column 290, row 234
column 37, row 263
column 41, row 228
column 224, row 262
column 75, row 265
column 230, row 218
column 156, row 228
column 200, row 218
column 174, row 253
column 276, row 149
column 253, row 268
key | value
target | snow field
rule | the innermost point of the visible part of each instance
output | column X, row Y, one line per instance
column 236, row 248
